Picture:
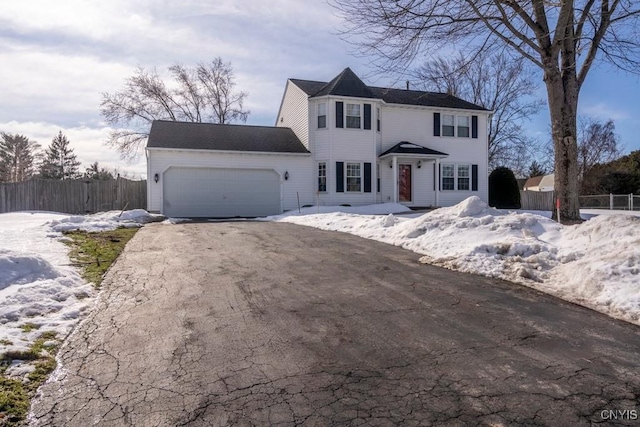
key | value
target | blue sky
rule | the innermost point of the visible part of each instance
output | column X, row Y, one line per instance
column 59, row 57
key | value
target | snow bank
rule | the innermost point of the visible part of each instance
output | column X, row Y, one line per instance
column 378, row 209
column 104, row 221
column 595, row 264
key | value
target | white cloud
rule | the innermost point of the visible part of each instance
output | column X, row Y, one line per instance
column 604, row 111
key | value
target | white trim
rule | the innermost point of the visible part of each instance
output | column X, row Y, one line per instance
column 201, row 150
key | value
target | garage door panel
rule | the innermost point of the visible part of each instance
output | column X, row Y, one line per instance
column 218, row 192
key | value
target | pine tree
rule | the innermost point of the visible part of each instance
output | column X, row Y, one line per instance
column 59, row 161
column 536, row 169
column 94, row 171
column 17, row 157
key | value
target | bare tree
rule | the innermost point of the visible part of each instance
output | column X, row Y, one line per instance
column 598, row 143
column 18, row 155
column 562, row 38
column 205, row 93
column 500, row 84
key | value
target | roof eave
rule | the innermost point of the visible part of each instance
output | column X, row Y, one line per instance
column 204, row 150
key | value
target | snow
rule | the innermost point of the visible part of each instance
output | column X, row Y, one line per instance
column 38, row 286
column 595, row 264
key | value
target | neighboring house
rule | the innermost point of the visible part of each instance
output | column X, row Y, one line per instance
column 540, row 183
column 340, row 142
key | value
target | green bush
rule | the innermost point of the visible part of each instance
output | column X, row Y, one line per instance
column 503, row 189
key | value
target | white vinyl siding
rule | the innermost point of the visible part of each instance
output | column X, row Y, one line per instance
column 294, row 112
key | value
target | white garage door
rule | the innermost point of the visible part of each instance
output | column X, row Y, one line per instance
column 215, row 192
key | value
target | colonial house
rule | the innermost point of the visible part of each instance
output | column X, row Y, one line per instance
column 334, row 143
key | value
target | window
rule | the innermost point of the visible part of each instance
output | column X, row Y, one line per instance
column 322, row 115
column 354, row 179
column 463, row 178
column 448, row 125
column 463, row 126
column 353, row 116
column 448, row 179
column 322, row 176
column 378, row 119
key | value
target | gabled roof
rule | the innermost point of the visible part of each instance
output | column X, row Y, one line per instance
column 406, row 147
column 209, row 136
column 348, row 84
column 534, row 181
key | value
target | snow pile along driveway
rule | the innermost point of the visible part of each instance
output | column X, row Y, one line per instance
column 39, row 289
column 595, row 264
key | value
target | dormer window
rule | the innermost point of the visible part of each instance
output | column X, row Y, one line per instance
column 322, row 115
column 353, row 116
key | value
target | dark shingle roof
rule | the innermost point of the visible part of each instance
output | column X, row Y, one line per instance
column 406, row 147
column 348, row 84
column 209, row 136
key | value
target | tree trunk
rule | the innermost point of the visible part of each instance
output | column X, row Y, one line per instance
column 562, row 92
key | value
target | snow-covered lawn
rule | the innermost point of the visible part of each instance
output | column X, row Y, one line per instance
column 595, row 264
column 40, row 290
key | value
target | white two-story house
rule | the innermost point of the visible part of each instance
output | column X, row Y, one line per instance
column 334, row 143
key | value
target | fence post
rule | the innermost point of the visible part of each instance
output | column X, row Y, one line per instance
column 631, row 202
column 610, row 201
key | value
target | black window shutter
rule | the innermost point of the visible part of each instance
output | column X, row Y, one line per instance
column 339, row 114
column 367, row 117
column 367, row 177
column 474, row 126
column 340, row 176
column 474, row 177
column 436, row 124
column 440, row 177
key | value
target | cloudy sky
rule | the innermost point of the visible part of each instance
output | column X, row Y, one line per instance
column 59, row 57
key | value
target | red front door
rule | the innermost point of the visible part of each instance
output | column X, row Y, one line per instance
column 404, row 180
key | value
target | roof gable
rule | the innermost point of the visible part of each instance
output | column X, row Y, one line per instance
column 346, row 84
column 406, row 147
column 209, row 136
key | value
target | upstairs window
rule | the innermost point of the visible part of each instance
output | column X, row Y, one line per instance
column 322, row 176
column 463, row 126
column 353, row 116
column 322, row 115
column 448, row 125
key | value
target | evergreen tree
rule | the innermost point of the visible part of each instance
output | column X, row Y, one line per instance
column 17, row 157
column 59, row 161
column 94, row 171
column 503, row 189
column 536, row 169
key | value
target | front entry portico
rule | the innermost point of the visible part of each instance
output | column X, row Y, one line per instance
column 415, row 173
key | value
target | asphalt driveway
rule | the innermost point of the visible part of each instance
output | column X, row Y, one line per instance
column 251, row 323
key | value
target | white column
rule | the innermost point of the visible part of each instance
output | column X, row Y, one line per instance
column 437, row 183
column 395, row 179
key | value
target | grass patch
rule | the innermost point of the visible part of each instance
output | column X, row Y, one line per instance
column 28, row 327
column 15, row 395
column 94, row 252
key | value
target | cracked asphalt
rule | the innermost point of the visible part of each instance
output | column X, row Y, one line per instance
column 252, row 323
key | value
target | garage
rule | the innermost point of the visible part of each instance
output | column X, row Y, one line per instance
column 220, row 192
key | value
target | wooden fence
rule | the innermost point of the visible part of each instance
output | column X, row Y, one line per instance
column 73, row 196
column 537, row 200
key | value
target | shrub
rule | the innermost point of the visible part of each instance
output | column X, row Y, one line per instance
column 503, row 189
